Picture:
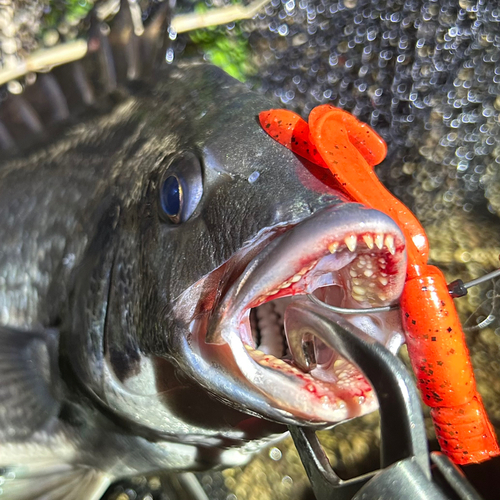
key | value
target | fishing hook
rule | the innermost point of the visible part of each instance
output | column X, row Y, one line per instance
column 456, row 288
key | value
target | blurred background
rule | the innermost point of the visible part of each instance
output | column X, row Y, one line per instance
column 426, row 76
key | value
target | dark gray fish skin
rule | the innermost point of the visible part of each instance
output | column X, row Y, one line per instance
column 85, row 250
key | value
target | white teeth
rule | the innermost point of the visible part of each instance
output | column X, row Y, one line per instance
column 383, row 280
column 273, row 292
column 286, row 284
column 311, row 266
column 389, row 243
column 379, row 241
column 353, row 273
column 296, row 278
column 351, row 242
column 368, row 273
column 356, row 281
column 368, row 239
column 332, row 247
column 358, row 298
column 358, row 290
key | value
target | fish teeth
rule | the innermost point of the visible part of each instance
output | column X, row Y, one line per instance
column 379, row 240
column 296, row 278
column 368, row 273
column 389, row 243
column 332, row 247
column 383, row 280
column 358, row 290
column 368, row 239
column 351, row 242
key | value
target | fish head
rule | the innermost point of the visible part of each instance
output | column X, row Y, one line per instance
column 226, row 228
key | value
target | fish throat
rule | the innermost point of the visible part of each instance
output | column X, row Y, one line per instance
column 360, row 283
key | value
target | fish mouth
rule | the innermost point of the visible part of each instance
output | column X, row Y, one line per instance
column 347, row 256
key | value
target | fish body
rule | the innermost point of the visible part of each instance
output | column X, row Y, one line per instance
column 138, row 246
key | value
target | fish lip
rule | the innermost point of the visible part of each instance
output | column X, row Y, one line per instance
column 300, row 245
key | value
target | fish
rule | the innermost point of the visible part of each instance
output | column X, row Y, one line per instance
column 152, row 237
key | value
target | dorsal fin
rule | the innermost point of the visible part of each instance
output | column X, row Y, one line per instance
column 117, row 53
column 155, row 40
column 125, row 45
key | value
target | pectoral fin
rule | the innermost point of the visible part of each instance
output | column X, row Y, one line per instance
column 34, row 443
column 47, row 481
column 29, row 382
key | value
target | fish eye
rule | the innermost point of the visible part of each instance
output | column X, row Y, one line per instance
column 181, row 188
column 171, row 198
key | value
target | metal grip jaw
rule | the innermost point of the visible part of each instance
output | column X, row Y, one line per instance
column 405, row 461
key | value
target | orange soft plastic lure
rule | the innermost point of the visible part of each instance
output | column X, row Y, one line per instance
column 438, row 352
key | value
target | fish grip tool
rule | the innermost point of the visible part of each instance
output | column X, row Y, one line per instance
column 407, row 470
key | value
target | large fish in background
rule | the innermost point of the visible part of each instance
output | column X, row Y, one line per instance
column 149, row 248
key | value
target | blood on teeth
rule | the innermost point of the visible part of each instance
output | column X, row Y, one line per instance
column 366, row 271
column 389, row 243
column 332, row 247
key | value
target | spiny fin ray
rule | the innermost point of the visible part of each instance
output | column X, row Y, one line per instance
column 116, row 54
column 29, row 400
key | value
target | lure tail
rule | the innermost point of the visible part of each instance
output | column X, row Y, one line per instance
column 436, row 342
column 441, row 362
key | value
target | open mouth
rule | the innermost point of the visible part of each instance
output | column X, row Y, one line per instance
column 347, row 256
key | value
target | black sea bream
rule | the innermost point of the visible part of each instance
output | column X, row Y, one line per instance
column 148, row 251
